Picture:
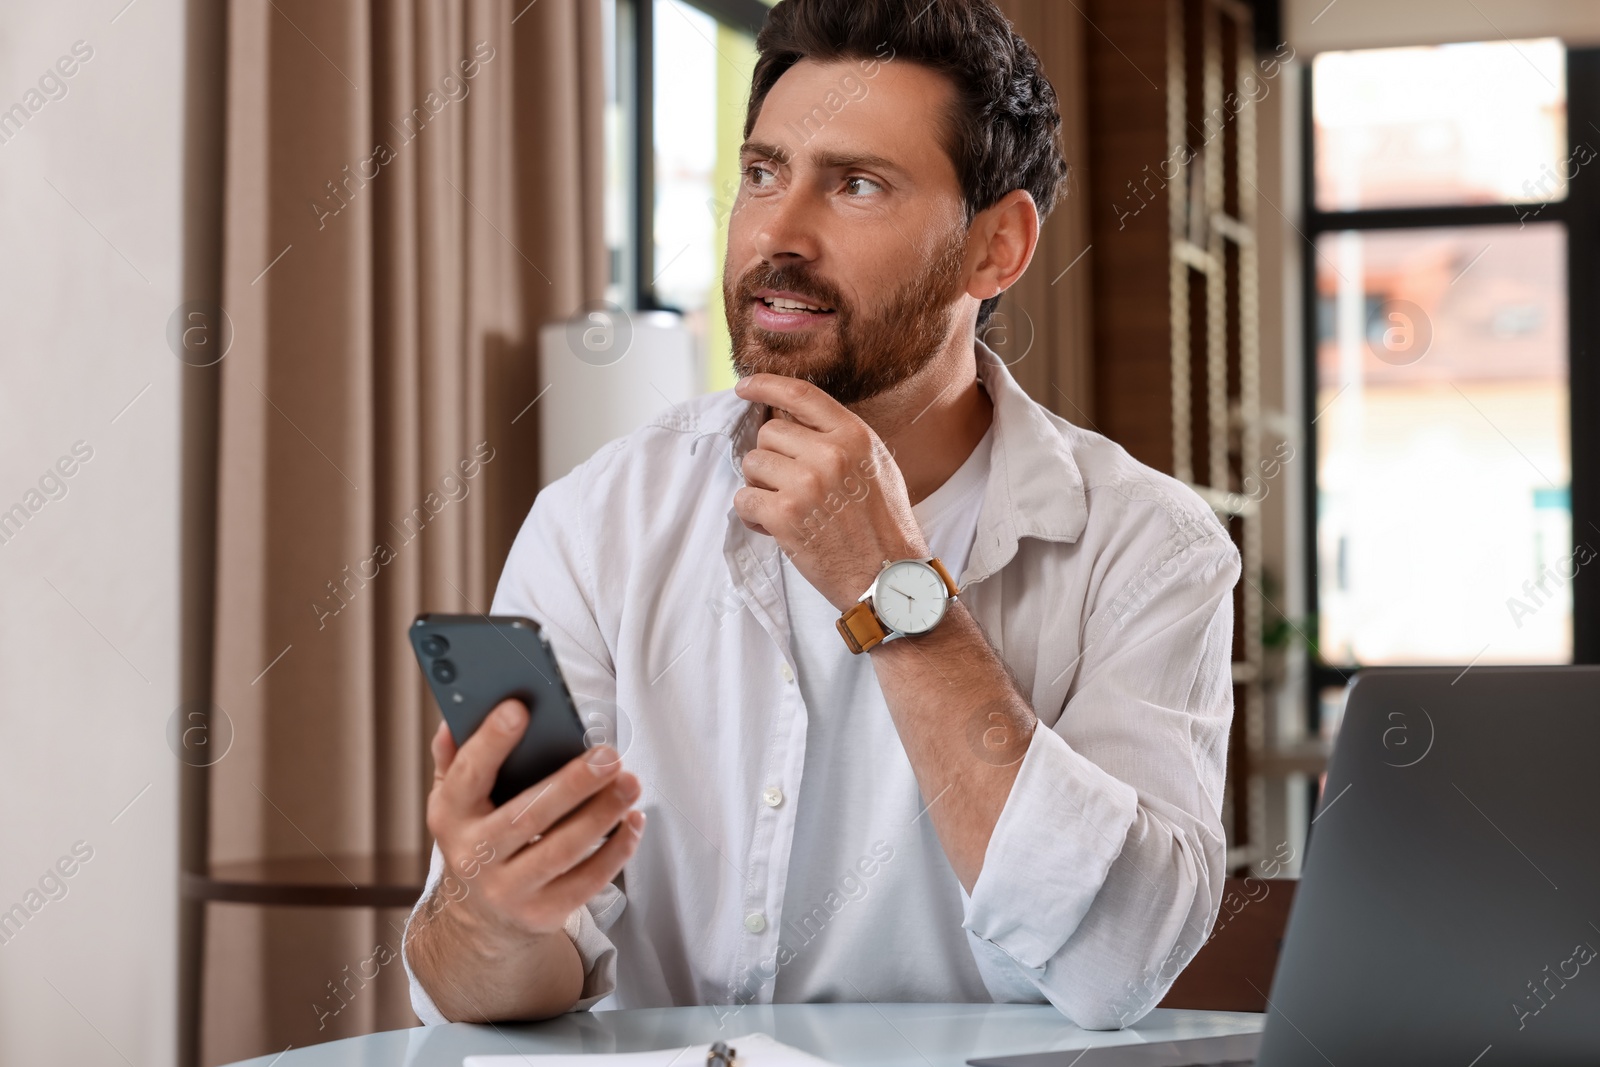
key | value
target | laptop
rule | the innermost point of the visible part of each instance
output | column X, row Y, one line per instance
column 1449, row 909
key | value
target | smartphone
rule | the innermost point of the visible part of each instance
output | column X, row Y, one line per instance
column 473, row 662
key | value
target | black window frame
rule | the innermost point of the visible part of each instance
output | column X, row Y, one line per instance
column 1579, row 212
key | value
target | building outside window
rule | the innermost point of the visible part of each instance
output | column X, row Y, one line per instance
column 1438, row 186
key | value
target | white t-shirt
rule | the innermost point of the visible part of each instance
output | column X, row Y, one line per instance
column 897, row 853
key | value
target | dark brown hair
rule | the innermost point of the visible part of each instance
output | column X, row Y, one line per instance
column 1005, row 132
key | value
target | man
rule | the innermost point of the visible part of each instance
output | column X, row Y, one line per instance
column 1016, row 796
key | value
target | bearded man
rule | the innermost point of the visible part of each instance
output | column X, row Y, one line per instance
column 924, row 690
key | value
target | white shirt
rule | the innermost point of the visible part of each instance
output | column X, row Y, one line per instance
column 1107, row 589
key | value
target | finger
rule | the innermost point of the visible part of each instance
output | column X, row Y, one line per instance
column 573, row 840
column 771, row 470
column 787, row 438
column 472, row 773
column 836, row 457
column 444, row 751
column 578, row 886
column 808, row 404
column 756, row 507
column 546, row 802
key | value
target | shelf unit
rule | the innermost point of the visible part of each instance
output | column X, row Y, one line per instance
column 1216, row 400
column 1172, row 156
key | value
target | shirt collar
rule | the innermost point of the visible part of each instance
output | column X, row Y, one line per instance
column 1035, row 487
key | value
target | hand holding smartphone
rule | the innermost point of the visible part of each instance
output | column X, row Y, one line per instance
column 531, row 825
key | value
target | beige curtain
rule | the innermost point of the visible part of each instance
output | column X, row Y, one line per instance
column 412, row 187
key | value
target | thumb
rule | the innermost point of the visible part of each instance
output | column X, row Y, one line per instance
column 444, row 750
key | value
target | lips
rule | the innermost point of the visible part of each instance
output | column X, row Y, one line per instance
column 792, row 305
column 782, row 310
column 792, row 301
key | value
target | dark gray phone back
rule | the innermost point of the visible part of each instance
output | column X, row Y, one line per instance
column 473, row 662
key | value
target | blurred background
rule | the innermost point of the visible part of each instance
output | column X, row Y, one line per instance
column 302, row 302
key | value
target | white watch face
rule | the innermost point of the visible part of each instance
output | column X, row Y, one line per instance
column 910, row 597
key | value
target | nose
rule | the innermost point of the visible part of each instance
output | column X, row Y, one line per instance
column 786, row 230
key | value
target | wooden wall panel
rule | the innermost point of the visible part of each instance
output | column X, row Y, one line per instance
column 1128, row 221
column 1044, row 321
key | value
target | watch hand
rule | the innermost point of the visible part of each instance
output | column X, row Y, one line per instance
column 903, row 593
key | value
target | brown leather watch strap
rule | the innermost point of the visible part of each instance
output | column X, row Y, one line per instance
column 949, row 582
column 860, row 628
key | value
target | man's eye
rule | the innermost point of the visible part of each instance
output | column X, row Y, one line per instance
column 862, row 186
column 759, row 176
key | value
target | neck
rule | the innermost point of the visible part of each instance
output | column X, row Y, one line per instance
column 933, row 420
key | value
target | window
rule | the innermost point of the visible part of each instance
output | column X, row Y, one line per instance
column 1449, row 522
column 1455, row 124
column 682, row 79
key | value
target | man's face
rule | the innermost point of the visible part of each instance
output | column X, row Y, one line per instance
column 847, row 244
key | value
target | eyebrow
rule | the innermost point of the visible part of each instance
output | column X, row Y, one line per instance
column 826, row 160
column 761, row 148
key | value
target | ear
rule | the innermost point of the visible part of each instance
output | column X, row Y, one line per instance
column 1004, row 237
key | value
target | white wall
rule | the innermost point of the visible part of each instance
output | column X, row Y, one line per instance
column 1283, row 541
column 1319, row 26
column 89, row 268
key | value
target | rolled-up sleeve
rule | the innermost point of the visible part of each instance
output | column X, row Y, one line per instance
column 549, row 578
column 1101, row 878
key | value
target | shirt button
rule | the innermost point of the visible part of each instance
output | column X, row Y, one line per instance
column 755, row 922
column 787, row 672
column 772, row 796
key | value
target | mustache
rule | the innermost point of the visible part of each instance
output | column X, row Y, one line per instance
column 800, row 280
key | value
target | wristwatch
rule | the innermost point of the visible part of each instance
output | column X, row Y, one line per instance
column 908, row 597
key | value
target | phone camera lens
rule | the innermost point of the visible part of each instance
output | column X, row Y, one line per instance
column 444, row 672
column 434, row 645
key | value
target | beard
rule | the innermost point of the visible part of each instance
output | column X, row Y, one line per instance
column 867, row 351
